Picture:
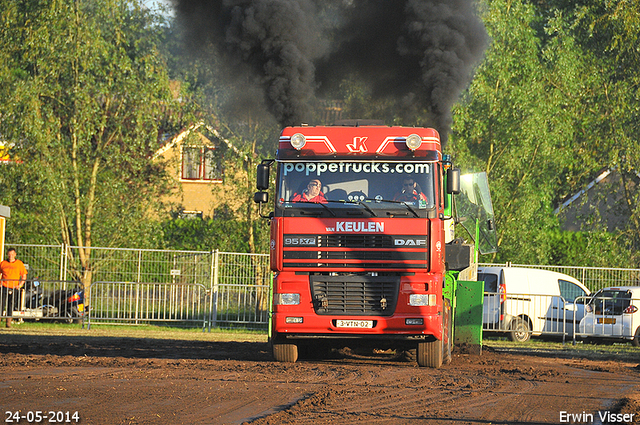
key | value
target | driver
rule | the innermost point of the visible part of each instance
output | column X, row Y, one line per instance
column 311, row 194
column 410, row 192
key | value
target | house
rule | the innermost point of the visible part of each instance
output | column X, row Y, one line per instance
column 600, row 204
column 196, row 160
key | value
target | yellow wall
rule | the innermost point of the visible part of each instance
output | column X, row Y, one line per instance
column 200, row 195
column 2, row 228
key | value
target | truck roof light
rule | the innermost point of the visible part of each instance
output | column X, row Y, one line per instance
column 413, row 141
column 298, row 141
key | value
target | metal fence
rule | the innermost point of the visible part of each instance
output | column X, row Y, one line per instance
column 594, row 278
column 530, row 314
column 143, row 302
column 524, row 315
column 131, row 286
column 610, row 318
column 222, row 289
column 538, row 313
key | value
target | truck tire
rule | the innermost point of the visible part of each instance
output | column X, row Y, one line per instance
column 636, row 338
column 429, row 354
column 409, row 355
column 283, row 351
column 520, row 331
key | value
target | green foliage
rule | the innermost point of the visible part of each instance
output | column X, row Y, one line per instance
column 588, row 249
column 84, row 97
column 223, row 232
column 548, row 109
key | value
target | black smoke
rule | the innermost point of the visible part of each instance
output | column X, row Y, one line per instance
column 421, row 53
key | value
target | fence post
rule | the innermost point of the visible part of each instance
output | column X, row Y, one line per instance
column 138, row 280
column 215, row 266
column 64, row 261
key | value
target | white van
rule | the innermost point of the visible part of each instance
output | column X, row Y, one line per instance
column 525, row 302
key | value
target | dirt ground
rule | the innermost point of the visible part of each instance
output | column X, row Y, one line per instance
column 160, row 381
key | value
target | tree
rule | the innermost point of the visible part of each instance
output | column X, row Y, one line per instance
column 507, row 126
column 549, row 107
column 85, row 95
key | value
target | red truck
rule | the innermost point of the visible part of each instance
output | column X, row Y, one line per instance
column 358, row 241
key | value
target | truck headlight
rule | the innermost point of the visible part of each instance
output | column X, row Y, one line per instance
column 287, row 299
column 413, row 141
column 298, row 141
column 417, row 300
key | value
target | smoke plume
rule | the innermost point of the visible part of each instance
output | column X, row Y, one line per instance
column 420, row 53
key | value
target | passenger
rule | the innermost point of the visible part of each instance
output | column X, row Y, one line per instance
column 311, row 194
column 410, row 192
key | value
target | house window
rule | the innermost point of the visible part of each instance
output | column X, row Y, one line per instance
column 201, row 163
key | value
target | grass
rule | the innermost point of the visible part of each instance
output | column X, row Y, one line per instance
column 137, row 331
column 601, row 350
column 535, row 346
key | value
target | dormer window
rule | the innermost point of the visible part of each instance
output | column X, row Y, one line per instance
column 201, row 163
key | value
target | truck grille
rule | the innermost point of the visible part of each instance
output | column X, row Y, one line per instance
column 354, row 295
column 356, row 251
column 355, row 241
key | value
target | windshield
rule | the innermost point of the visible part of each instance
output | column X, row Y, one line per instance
column 475, row 211
column 611, row 301
column 373, row 186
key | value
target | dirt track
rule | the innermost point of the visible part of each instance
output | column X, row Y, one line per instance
column 154, row 381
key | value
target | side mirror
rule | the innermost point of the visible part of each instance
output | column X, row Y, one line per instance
column 261, row 197
column 453, row 181
column 262, row 177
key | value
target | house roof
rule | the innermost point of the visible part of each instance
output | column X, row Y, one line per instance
column 603, row 175
column 178, row 138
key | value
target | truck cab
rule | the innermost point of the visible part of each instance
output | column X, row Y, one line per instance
column 358, row 240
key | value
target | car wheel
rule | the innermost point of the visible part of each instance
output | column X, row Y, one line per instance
column 636, row 338
column 520, row 331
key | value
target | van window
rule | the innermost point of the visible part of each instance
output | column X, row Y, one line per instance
column 490, row 282
column 570, row 291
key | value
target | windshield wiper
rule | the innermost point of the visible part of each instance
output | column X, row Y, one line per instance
column 365, row 206
column 316, row 203
column 409, row 207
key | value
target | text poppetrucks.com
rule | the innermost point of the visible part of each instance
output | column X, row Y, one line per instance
column 602, row 417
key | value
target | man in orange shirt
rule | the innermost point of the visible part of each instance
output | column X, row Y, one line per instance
column 13, row 274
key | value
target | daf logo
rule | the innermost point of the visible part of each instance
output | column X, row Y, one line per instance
column 358, row 145
column 410, row 242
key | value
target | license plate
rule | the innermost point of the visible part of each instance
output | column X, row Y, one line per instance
column 606, row 321
column 354, row 323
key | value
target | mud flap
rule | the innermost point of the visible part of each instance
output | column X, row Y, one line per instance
column 468, row 315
